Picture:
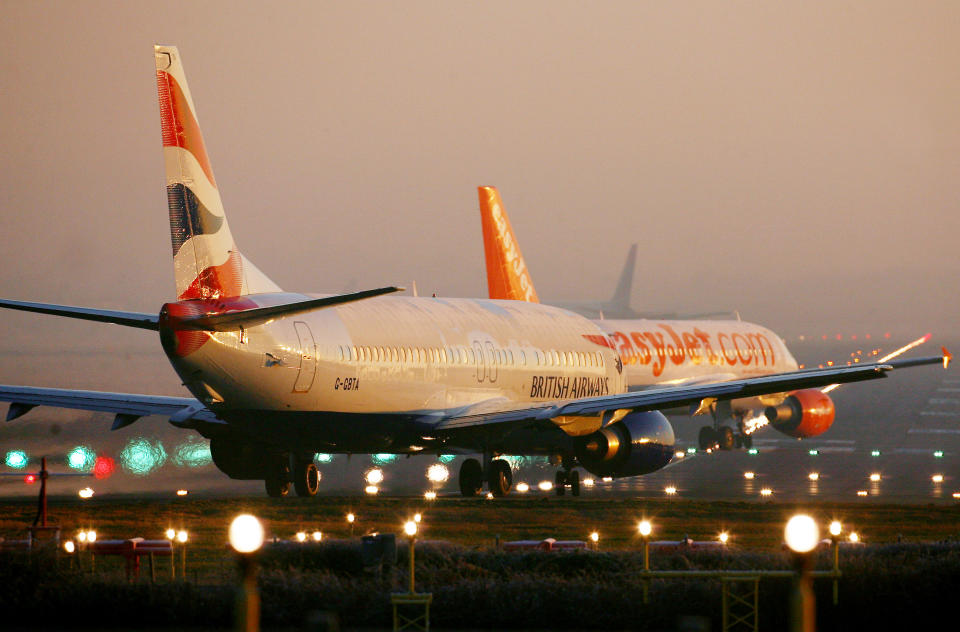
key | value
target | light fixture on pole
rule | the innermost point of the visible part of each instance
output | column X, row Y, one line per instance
column 802, row 536
column 246, row 538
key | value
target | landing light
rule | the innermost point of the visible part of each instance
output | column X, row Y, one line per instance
column 374, row 476
column 438, row 473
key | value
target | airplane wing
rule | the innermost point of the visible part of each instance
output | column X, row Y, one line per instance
column 127, row 408
column 670, row 397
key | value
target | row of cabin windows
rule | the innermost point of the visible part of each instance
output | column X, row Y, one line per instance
column 467, row 355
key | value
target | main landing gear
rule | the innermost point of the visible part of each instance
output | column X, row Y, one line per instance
column 300, row 470
column 723, row 438
column 499, row 477
column 567, row 477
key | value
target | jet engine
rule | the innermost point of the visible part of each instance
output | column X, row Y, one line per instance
column 639, row 443
column 802, row 414
column 240, row 460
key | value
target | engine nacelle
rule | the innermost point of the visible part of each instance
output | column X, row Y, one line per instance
column 639, row 443
column 240, row 460
column 802, row 414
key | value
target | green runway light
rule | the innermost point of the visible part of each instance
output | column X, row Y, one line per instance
column 81, row 458
column 141, row 457
column 193, row 453
column 753, row 451
column 938, row 454
column 383, row 458
column 322, row 459
column 691, row 450
column 875, row 453
column 17, row 459
column 813, row 452
column 446, row 458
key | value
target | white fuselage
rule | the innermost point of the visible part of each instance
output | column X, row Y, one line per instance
column 401, row 355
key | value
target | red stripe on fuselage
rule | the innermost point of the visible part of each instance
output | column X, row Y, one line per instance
column 178, row 124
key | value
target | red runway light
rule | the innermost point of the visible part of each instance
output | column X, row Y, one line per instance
column 30, row 479
column 103, row 467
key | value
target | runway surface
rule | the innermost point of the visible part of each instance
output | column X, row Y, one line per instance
column 891, row 428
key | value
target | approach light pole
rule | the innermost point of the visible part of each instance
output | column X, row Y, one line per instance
column 802, row 536
column 246, row 538
column 410, row 528
column 645, row 529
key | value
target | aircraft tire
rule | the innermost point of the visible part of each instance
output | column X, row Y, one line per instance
column 725, row 438
column 747, row 441
column 501, row 478
column 561, row 483
column 574, row 478
column 306, row 480
column 707, row 438
column 471, row 478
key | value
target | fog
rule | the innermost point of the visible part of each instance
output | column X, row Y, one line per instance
column 796, row 162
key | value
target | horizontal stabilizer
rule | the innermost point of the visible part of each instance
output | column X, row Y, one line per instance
column 257, row 315
column 127, row 319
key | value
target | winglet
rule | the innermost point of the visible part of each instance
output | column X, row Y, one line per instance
column 947, row 356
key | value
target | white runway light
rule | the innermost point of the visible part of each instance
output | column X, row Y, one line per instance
column 802, row 533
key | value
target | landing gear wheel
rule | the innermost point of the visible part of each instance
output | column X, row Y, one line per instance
column 574, row 478
column 501, row 478
column 726, row 438
column 738, row 441
column 306, row 479
column 707, row 438
column 278, row 481
column 561, row 485
column 471, row 478
column 747, row 441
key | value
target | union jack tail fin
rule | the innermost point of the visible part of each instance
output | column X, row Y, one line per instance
column 507, row 274
column 206, row 261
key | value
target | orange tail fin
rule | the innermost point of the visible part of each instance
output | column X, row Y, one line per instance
column 507, row 275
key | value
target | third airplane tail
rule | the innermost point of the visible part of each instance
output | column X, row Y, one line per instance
column 207, row 263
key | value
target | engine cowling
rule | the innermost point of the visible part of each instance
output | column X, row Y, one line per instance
column 639, row 443
column 239, row 460
column 805, row 413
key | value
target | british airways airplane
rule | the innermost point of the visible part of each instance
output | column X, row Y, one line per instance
column 276, row 377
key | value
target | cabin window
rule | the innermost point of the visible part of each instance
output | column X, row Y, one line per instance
column 523, row 358
column 510, row 356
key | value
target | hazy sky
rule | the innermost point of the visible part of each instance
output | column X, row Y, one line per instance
column 796, row 161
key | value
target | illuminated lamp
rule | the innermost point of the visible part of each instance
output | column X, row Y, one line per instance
column 801, row 533
column 246, row 534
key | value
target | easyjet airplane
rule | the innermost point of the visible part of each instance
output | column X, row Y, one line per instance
column 276, row 377
column 658, row 353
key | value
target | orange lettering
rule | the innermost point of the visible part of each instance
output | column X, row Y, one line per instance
column 643, row 351
column 693, row 347
column 676, row 350
column 660, row 349
column 723, row 349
